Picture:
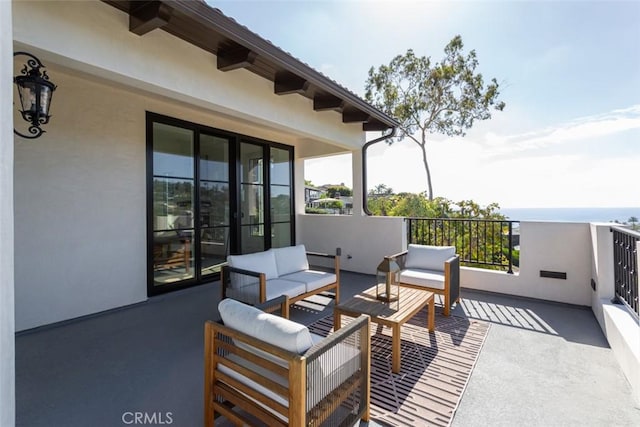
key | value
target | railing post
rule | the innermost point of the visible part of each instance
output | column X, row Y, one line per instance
column 510, row 271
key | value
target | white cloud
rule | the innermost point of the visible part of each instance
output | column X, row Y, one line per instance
column 595, row 126
column 514, row 170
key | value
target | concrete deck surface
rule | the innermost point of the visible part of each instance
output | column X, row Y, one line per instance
column 543, row 364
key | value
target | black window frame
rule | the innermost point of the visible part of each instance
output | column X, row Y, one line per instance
column 235, row 140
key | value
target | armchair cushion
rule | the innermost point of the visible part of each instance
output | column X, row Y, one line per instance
column 428, row 257
column 290, row 259
column 426, row 278
column 267, row 327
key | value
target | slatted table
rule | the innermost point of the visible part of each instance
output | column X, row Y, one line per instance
column 392, row 314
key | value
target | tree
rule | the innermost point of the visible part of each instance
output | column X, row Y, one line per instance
column 444, row 97
column 339, row 190
column 633, row 220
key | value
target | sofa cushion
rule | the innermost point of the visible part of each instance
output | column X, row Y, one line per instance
column 261, row 262
column 427, row 278
column 428, row 257
column 290, row 259
column 267, row 327
column 312, row 279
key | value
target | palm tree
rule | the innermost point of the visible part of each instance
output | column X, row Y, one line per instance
column 633, row 220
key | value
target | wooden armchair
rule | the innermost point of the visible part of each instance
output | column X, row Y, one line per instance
column 259, row 366
column 434, row 268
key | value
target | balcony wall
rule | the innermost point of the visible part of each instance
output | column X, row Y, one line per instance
column 364, row 240
column 551, row 246
column 618, row 325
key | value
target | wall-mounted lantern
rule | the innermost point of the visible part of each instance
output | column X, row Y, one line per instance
column 35, row 91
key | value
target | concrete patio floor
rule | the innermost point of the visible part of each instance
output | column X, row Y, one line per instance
column 543, row 364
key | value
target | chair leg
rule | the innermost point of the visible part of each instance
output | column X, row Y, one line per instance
column 447, row 304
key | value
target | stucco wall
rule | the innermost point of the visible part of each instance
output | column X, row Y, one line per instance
column 366, row 239
column 552, row 246
column 7, row 346
column 617, row 323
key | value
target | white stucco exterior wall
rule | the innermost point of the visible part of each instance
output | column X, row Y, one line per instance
column 365, row 240
column 552, row 246
column 618, row 324
column 7, row 325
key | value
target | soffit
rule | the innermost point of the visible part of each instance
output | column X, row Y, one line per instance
column 235, row 47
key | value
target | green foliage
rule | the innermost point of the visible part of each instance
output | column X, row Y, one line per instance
column 419, row 206
column 444, row 97
column 316, row 211
column 339, row 190
column 330, row 204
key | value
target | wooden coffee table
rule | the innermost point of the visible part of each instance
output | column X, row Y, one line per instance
column 391, row 314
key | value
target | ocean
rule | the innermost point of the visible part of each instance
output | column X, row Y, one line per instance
column 572, row 214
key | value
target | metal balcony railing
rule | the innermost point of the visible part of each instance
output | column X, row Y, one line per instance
column 479, row 242
column 625, row 267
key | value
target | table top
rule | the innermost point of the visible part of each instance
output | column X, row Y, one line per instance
column 410, row 302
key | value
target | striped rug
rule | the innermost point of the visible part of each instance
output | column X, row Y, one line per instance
column 435, row 368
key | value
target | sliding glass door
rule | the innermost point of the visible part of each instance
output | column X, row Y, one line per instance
column 211, row 193
column 173, row 201
column 215, row 208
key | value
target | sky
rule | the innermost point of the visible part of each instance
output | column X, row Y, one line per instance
column 569, row 73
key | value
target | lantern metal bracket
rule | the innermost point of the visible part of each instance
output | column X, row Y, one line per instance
column 37, row 115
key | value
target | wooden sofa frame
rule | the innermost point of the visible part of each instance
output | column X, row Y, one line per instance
column 451, row 291
column 225, row 274
column 223, row 393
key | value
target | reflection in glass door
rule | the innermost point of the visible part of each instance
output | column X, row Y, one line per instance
column 280, row 178
column 173, row 185
column 252, row 220
column 214, row 203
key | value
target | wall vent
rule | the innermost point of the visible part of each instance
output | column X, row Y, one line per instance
column 553, row 274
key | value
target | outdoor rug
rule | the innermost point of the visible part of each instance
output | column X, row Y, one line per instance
column 435, row 368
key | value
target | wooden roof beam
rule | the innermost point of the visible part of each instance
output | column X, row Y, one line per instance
column 232, row 59
column 147, row 16
column 327, row 103
column 374, row 125
column 286, row 82
column 354, row 116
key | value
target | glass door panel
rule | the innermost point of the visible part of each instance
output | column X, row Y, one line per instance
column 173, row 202
column 281, row 203
column 252, row 189
column 215, row 209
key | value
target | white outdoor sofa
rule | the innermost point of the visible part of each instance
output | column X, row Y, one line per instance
column 262, row 276
column 434, row 268
column 259, row 366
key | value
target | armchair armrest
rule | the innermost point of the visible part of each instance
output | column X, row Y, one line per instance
column 400, row 258
column 452, row 274
column 338, row 367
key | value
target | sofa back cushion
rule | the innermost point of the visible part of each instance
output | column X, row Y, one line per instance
column 428, row 257
column 273, row 329
column 261, row 262
column 291, row 259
